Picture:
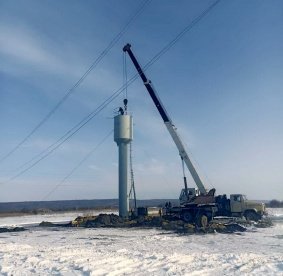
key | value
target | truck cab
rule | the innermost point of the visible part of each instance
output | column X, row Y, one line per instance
column 241, row 206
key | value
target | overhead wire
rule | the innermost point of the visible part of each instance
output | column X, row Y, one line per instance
column 191, row 25
column 87, row 156
column 86, row 119
column 72, row 131
column 81, row 79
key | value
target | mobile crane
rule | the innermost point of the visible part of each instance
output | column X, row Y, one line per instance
column 197, row 205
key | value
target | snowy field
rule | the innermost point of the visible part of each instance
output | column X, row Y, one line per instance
column 74, row 251
column 55, row 217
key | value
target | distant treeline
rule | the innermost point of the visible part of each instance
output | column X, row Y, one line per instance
column 274, row 204
column 81, row 205
column 73, row 205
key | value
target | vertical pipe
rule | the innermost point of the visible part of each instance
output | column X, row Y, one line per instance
column 123, row 180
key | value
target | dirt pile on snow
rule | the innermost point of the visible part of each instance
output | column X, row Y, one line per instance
column 182, row 227
column 222, row 225
column 51, row 224
column 176, row 225
column 227, row 228
column 111, row 220
column 105, row 220
column 264, row 223
column 11, row 229
column 166, row 222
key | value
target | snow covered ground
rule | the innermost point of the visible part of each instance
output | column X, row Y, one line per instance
column 52, row 217
column 74, row 251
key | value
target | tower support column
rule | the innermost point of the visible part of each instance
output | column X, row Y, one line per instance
column 123, row 180
column 123, row 135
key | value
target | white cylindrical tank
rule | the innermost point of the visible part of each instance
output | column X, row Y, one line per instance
column 123, row 129
column 123, row 135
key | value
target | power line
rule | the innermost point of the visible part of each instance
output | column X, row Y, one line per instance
column 77, row 166
column 85, row 120
column 82, row 78
column 191, row 25
column 72, row 131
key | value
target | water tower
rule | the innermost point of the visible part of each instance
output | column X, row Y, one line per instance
column 123, row 135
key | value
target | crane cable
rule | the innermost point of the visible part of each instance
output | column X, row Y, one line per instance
column 124, row 88
column 82, row 78
column 93, row 150
column 125, row 74
column 172, row 43
column 132, row 193
column 85, row 120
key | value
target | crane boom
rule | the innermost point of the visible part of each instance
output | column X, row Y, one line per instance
column 167, row 121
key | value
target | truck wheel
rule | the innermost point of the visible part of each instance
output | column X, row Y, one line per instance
column 187, row 217
column 202, row 220
column 251, row 215
column 209, row 216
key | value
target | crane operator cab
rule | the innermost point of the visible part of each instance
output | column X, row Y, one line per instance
column 192, row 193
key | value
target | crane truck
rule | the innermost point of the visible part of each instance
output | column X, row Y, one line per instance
column 198, row 205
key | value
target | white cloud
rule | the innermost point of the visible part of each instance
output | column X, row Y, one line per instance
column 94, row 167
column 152, row 166
column 23, row 46
column 25, row 53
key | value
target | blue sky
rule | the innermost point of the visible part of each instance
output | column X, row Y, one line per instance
column 221, row 84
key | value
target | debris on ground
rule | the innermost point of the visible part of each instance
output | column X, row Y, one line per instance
column 264, row 223
column 51, row 224
column 11, row 229
column 176, row 225
column 219, row 225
